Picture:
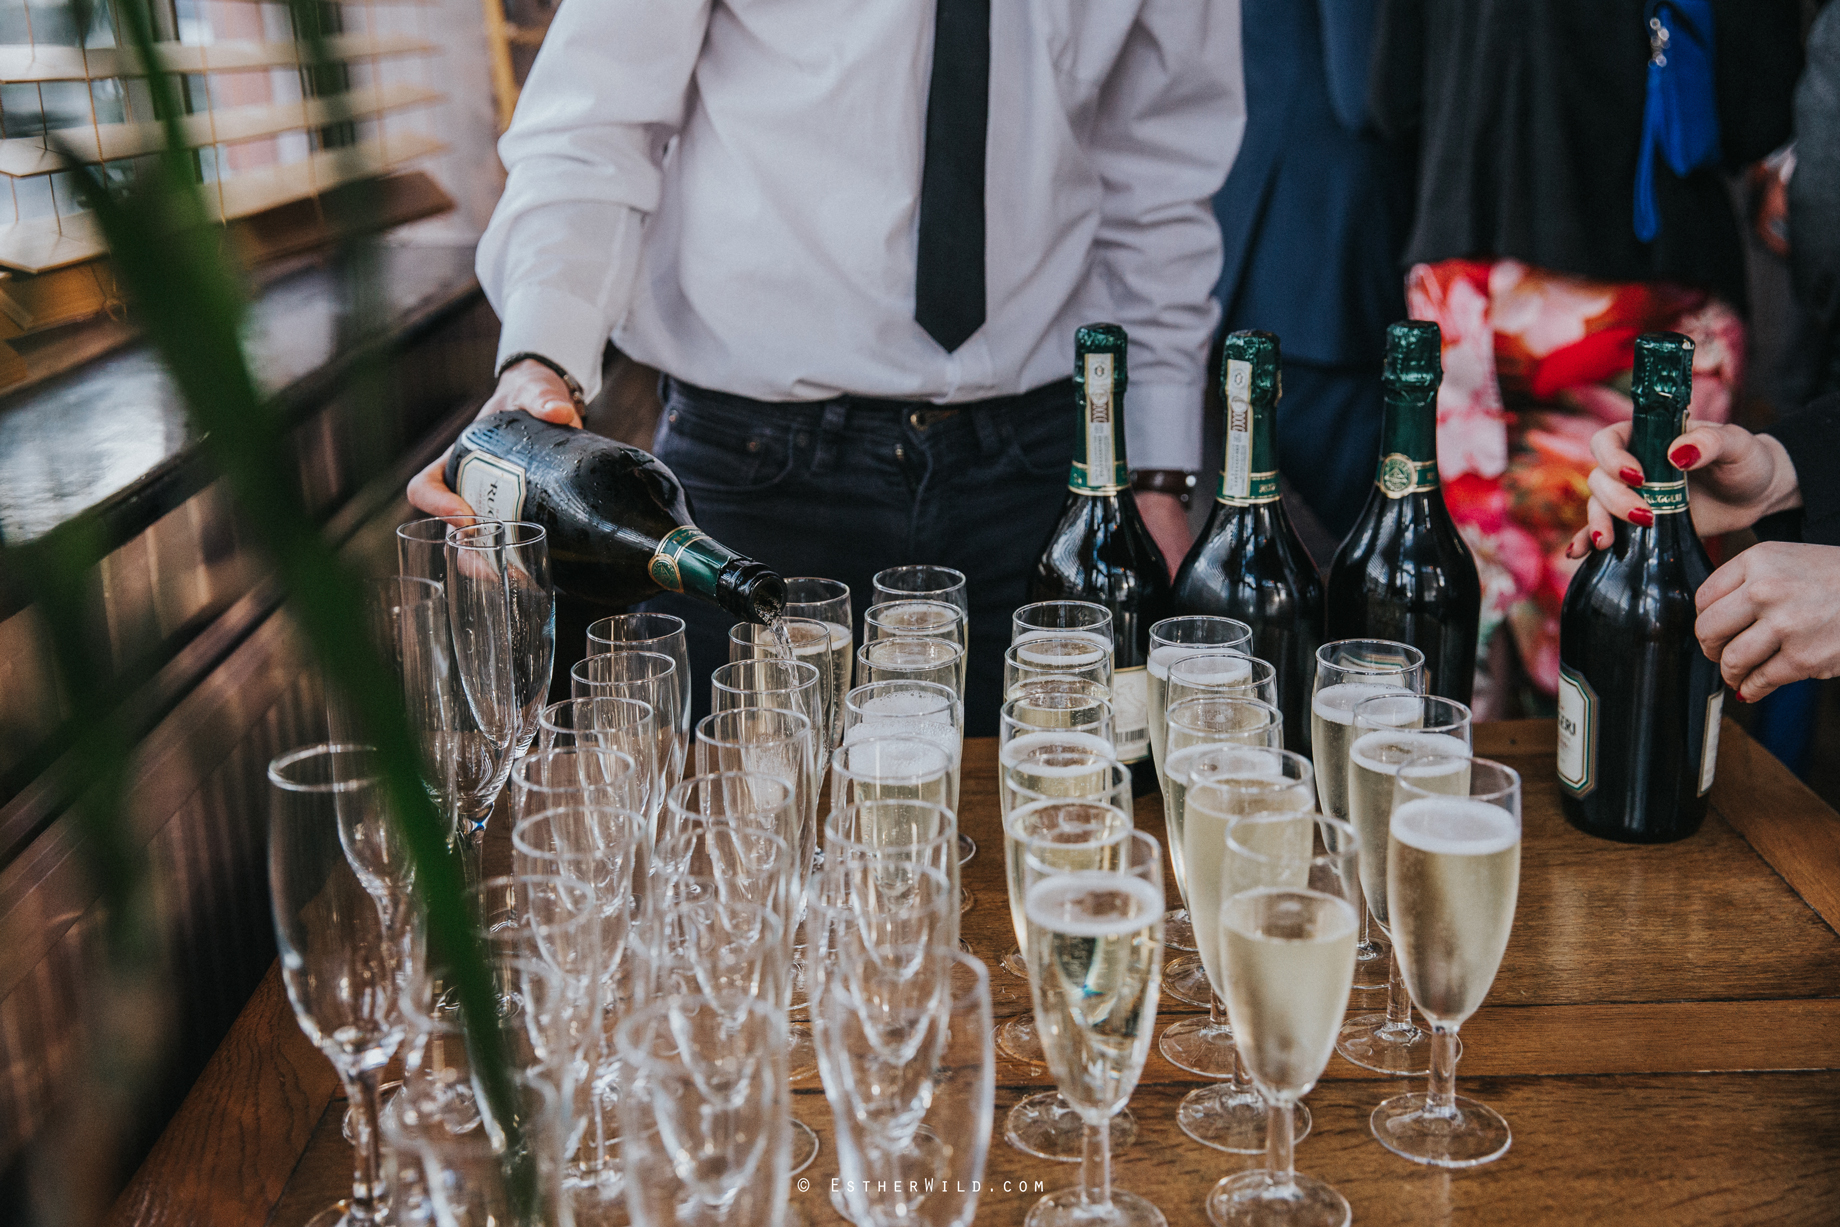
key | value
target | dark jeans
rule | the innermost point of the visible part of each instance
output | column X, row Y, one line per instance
column 846, row 487
column 1328, row 440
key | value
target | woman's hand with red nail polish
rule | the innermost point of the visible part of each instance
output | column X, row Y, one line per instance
column 1684, row 457
column 1642, row 516
column 1631, row 475
column 1734, row 479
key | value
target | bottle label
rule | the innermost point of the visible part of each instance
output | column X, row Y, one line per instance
column 1400, row 475
column 1577, row 732
column 1665, row 497
column 1131, row 714
column 494, row 488
column 676, row 561
column 1103, row 472
column 1239, row 485
column 1709, row 745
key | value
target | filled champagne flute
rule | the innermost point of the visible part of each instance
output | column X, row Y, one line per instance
column 925, row 710
column 921, row 582
column 1452, row 879
column 1288, row 929
column 1062, row 655
column 1347, row 672
column 1096, row 955
column 1227, row 783
column 826, row 601
column 1390, row 729
column 1199, row 723
column 1175, row 639
column 1245, row 677
column 920, row 620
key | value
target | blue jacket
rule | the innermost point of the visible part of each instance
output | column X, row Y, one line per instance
column 1314, row 213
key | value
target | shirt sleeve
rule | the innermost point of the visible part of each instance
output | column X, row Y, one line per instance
column 1811, row 436
column 584, row 158
column 1169, row 123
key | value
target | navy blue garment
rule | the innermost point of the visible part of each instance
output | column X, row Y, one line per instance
column 1314, row 217
column 844, row 488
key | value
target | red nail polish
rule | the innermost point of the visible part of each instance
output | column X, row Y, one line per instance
column 1685, row 457
column 1597, row 539
column 1631, row 476
column 1642, row 516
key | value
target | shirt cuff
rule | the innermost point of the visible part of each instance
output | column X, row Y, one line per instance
column 1162, row 426
column 561, row 327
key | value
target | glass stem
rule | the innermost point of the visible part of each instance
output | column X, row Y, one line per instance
column 1239, row 1079
column 1398, row 1000
column 1441, row 1100
column 1217, row 1010
column 365, row 1091
column 1281, row 1142
column 1096, row 1163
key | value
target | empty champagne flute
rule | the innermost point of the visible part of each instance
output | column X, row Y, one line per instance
column 706, row 1114
column 444, row 1172
column 519, row 552
column 1388, row 730
column 895, row 835
column 1288, row 928
column 922, row 582
column 650, row 677
column 1230, row 1115
column 824, row 644
column 1189, row 727
column 793, row 685
column 1452, row 880
column 812, row 596
column 774, row 742
column 915, row 1159
column 1347, row 672
column 1096, row 950
column 648, row 632
column 713, row 830
column 342, row 978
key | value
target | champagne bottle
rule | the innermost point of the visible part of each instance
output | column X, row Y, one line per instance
column 1639, row 703
column 1100, row 551
column 1404, row 572
column 1250, row 563
column 618, row 524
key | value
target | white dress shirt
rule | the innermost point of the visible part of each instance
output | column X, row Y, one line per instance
column 730, row 188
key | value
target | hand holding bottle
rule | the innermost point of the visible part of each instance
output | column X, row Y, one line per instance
column 1734, row 479
column 526, row 385
column 1768, row 617
column 1168, row 524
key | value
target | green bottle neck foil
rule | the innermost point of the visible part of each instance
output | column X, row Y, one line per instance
column 1099, row 382
column 1661, row 391
column 1250, row 386
column 1408, row 428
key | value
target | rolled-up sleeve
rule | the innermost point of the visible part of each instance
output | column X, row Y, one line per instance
column 584, row 159
column 1169, row 123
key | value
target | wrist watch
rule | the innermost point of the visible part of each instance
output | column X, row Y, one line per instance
column 568, row 380
column 1165, row 481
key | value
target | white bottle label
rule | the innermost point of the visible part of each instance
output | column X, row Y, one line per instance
column 494, row 488
column 1236, row 481
column 1577, row 732
column 1131, row 714
column 1709, row 746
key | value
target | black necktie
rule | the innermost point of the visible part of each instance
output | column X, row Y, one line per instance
column 949, row 273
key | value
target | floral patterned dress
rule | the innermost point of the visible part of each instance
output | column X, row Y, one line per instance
column 1535, row 363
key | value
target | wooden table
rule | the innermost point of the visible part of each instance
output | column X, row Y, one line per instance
column 1664, row 1039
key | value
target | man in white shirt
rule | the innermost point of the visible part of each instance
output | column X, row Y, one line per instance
column 857, row 238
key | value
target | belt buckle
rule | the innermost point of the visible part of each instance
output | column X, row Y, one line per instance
column 921, row 419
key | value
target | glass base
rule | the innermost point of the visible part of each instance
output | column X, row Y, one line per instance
column 1254, row 1199
column 1015, row 964
column 964, row 901
column 804, row 1147
column 1179, row 931
column 1366, row 1041
column 1186, row 980
column 1018, row 1040
column 967, row 848
column 1372, row 966
column 1470, row 1134
column 1200, row 1047
column 802, row 1056
column 927, row 1156
column 1233, row 1120
column 1047, row 1127
column 335, row 1215
column 1066, row 1208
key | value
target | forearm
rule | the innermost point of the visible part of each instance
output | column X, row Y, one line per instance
column 1807, row 444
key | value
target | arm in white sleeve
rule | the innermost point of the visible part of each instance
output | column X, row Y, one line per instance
column 584, row 156
column 1169, row 124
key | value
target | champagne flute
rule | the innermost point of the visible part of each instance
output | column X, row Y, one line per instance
column 1189, row 726
column 342, row 977
column 911, row 659
column 1347, row 672
column 794, row 685
column 1175, row 639
column 1389, row 729
column 921, row 620
column 826, row 601
column 823, row 644
column 1096, row 951
column 1063, row 655
column 519, row 552
column 926, row 710
column 926, row 583
column 1245, row 677
column 650, row 677
column 1452, row 880
column 648, row 632
column 1059, row 619
column 1288, row 931
column 1229, row 782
